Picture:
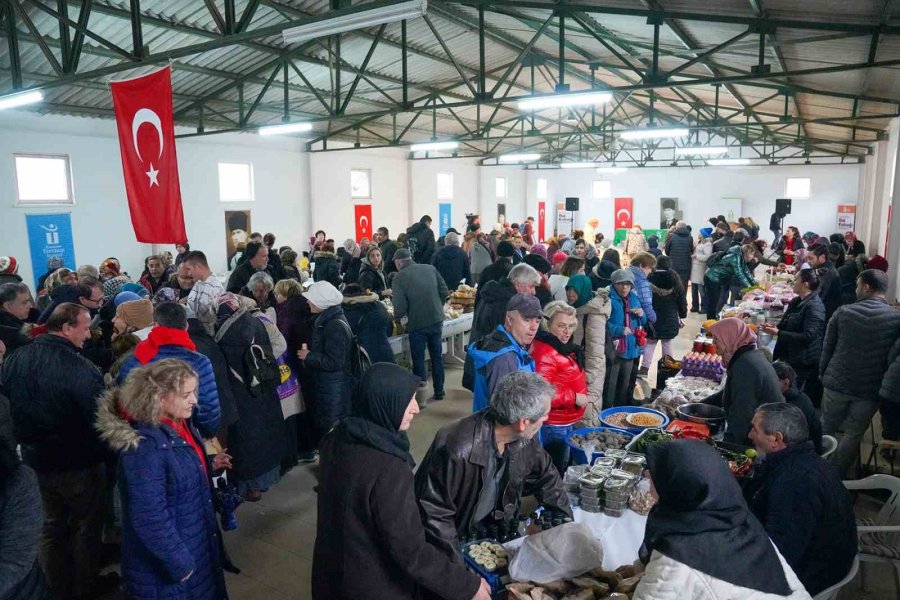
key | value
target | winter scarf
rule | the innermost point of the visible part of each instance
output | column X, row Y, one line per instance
column 162, row 336
column 733, row 335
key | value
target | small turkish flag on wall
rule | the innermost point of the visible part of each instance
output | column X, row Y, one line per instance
column 624, row 207
column 363, row 222
column 542, row 220
column 143, row 108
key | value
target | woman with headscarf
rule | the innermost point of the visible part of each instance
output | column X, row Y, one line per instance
column 625, row 317
column 112, row 277
column 559, row 281
column 257, row 439
column 351, row 262
column 328, row 355
column 751, row 380
column 701, row 540
column 853, row 246
column 132, row 316
column 54, row 263
column 560, row 361
column 479, row 253
column 370, row 542
column 592, row 310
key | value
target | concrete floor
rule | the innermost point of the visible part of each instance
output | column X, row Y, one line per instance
column 273, row 545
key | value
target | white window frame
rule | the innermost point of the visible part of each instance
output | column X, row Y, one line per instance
column 252, row 182
column 594, row 189
column 449, row 177
column 505, row 187
column 45, row 202
column 787, row 185
column 355, row 196
column 541, row 182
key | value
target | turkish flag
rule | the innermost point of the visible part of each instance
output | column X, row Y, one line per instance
column 623, row 216
column 143, row 109
column 363, row 221
column 542, row 220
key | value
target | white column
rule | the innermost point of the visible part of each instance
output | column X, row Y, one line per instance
column 892, row 253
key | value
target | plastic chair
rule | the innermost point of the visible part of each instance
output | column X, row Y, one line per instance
column 884, row 534
column 832, row 592
column 829, row 445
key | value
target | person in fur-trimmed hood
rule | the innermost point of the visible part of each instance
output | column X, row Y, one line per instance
column 369, row 321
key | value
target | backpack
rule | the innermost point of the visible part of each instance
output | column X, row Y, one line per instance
column 715, row 257
column 359, row 361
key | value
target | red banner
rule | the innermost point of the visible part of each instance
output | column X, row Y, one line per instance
column 542, row 220
column 363, row 222
column 143, row 108
column 623, row 217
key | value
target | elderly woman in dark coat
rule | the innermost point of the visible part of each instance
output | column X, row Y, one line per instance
column 171, row 547
column 328, row 355
column 370, row 542
column 258, row 438
column 370, row 322
column 670, row 305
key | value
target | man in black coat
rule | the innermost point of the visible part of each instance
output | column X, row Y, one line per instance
column 258, row 260
column 792, row 395
column 420, row 240
column 53, row 392
column 474, row 475
column 15, row 308
column 800, row 499
column 679, row 247
column 829, row 279
column 452, row 263
column 387, row 246
column 499, row 268
column 207, row 346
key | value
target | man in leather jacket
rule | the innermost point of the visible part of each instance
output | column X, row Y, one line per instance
column 478, row 468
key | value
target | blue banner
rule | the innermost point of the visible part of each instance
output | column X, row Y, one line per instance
column 444, row 218
column 49, row 236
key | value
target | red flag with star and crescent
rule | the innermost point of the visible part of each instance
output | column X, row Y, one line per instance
column 363, row 215
column 143, row 108
column 624, row 207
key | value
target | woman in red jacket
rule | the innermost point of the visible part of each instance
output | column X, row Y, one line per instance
column 561, row 362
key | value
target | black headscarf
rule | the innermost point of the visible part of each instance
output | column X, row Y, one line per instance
column 702, row 520
column 379, row 403
column 567, row 349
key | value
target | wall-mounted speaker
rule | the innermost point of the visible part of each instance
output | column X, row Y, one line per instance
column 783, row 206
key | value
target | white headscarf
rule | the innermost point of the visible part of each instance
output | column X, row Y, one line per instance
column 324, row 295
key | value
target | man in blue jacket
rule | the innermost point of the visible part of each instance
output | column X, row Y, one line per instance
column 169, row 339
column 506, row 349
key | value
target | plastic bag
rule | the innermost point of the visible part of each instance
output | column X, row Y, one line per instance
column 560, row 553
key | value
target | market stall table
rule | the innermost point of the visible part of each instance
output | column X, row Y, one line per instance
column 453, row 338
column 621, row 537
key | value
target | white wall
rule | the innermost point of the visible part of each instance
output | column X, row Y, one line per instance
column 517, row 207
column 100, row 219
column 424, row 175
column 699, row 192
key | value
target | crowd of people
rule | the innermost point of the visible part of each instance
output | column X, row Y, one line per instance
column 131, row 397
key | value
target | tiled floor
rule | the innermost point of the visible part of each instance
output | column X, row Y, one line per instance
column 273, row 545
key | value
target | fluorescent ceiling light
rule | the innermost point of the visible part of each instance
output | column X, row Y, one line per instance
column 578, row 165
column 14, row 100
column 701, row 151
column 519, row 157
column 557, row 100
column 286, row 128
column 434, row 146
column 653, row 133
column 610, row 170
column 728, row 162
column 358, row 20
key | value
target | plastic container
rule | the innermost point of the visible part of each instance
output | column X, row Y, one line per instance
column 634, row 464
column 579, row 455
column 498, row 588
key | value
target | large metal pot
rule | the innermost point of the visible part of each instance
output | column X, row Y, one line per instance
column 707, row 414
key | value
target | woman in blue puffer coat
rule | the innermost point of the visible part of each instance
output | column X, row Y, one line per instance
column 171, row 546
column 625, row 318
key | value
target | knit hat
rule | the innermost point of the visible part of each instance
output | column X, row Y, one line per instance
column 136, row 313
column 122, row 297
column 323, row 295
column 8, row 265
column 136, row 288
column 706, row 232
column 351, row 247
column 622, row 276
column 505, row 249
column 451, row 239
column 877, row 262
column 559, row 257
column 402, row 254
column 539, row 249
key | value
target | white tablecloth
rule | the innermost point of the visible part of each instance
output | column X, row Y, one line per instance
column 621, row 537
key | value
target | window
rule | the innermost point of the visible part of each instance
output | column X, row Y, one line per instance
column 235, row 182
column 797, row 187
column 360, row 183
column 602, row 189
column 42, row 179
column 445, row 186
column 541, row 189
column 500, row 187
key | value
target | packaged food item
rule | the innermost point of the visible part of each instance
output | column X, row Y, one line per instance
column 634, row 464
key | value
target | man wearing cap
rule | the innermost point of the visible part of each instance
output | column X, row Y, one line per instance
column 499, row 268
column 419, row 293
column 505, row 350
